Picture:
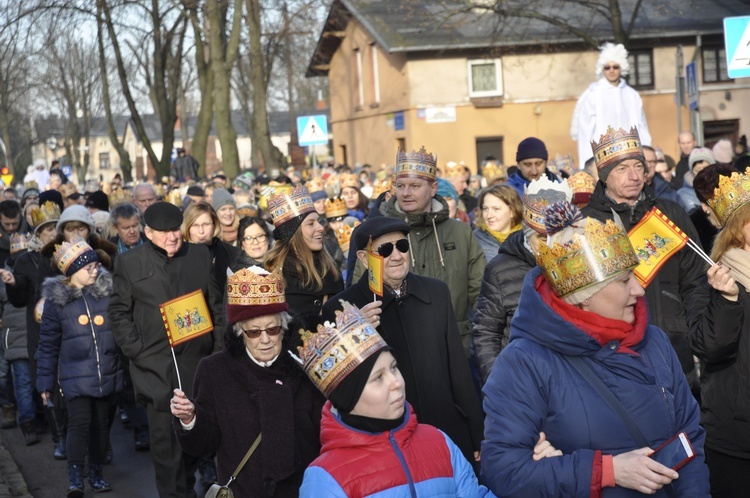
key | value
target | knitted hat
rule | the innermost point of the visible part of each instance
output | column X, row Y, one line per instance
column 74, row 255
column 253, row 292
column 29, row 192
column 531, row 148
column 98, row 200
column 346, row 395
column 78, row 213
column 222, row 198
column 288, row 211
column 609, row 52
column 446, row 189
column 723, row 152
column 701, row 154
column 615, row 147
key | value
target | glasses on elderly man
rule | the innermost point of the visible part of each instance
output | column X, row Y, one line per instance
column 255, row 333
column 386, row 249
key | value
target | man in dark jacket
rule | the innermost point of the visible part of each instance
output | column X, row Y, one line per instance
column 503, row 277
column 145, row 277
column 185, row 167
column 620, row 195
column 416, row 319
column 531, row 158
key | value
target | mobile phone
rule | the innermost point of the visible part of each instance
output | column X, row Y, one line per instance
column 674, row 453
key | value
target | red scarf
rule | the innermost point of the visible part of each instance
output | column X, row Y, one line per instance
column 603, row 330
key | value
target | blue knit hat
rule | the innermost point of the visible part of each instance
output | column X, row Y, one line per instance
column 446, row 189
column 531, row 148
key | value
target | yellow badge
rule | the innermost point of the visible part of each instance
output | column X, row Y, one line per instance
column 83, row 320
column 99, row 320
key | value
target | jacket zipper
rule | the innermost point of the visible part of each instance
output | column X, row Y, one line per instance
column 401, row 459
column 7, row 336
column 96, row 345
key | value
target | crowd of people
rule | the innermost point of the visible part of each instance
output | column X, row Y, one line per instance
column 420, row 330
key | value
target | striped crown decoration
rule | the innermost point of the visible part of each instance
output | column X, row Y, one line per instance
column 615, row 146
column 419, row 164
column 731, row 193
column 246, row 287
column 284, row 207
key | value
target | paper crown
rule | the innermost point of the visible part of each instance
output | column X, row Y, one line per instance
column 30, row 184
column 492, row 171
column 582, row 184
column 335, row 208
column 538, row 195
column 732, row 193
column 344, row 236
column 616, row 146
column 18, row 242
column 453, row 170
column 316, row 185
column 381, row 186
column 117, row 197
column 255, row 292
column 74, row 255
column 332, row 353
column 601, row 252
column 416, row 165
column 270, row 190
column 349, row 180
column 284, row 207
column 47, row 212
column 67, row 189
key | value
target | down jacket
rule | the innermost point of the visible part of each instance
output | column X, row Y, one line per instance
column 534, row 388
column 411, row 460
column 76, row 341
column 498, row 300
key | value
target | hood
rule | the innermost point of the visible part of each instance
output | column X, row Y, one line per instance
column 56, row 290
column 335, row 434
column 513, row 246
column 536, row 321
column 438, row 213
column 94, row 241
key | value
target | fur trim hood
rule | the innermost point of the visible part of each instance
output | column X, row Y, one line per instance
column 56, row 290
column 105, row 250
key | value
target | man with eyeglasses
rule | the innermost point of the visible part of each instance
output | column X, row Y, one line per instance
column 154, row 273
column 416, row 319
column 609, row 101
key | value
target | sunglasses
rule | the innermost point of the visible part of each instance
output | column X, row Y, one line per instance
column 386, row 249
column 255, row 333
column 607, row 68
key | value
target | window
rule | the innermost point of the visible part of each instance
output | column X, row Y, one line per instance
column 104, row 160
column 375, row 82
column 401, row 144
column 714, row 64
column 485, row 78
column 641, row 75
column 359, row 87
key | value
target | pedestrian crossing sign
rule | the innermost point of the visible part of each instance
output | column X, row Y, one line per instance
column 737, row 43
column 312, row 130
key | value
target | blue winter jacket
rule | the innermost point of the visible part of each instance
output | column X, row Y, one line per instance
column 533, row 388
column 518, row 182
column 76, row 343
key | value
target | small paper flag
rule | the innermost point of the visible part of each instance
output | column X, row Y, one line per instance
column 186, row 317
column 655, row 239
column 374, row 270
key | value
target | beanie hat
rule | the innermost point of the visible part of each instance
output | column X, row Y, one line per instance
column 222, row 198
column 29, row 192
column 74, row 255
column 253, row 292
column 723, row 152
column 531, row 148
column 78, row 213
column 446, row 189
column 98, row 200
column 346, row 395
column 701, row 154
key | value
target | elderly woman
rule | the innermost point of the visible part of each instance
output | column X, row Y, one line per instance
column 310, row 274
column 200, row 225
column 250, row 388
column 583, row 332
column 499, row 215
column 720, row 332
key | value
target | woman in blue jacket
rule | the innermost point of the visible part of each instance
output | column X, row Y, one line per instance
column 584, row 303
column 77, row 347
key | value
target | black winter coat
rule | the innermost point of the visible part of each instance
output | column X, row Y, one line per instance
column 669, row 292
column 720, row 337
column 143, row 279
column 306, row 301
column 223, row 256
column 498, row 300
column 235, row 400
column 423, row 332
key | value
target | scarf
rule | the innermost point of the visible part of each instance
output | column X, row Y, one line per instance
column 499, row 236
column 738, row 262
column 601, row 329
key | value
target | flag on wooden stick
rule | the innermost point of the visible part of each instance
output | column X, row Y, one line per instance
column 655, row 239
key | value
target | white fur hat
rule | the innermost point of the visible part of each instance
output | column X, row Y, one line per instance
column 609, row 52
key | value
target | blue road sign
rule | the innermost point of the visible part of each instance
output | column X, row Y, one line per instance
column 312, row 130
column 737, row 44
column 692, row 85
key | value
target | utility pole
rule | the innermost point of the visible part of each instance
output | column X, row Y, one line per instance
column 680, row 66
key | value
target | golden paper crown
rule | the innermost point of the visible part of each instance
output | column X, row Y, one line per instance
column 332, row 353
column 316, row 185
column 30, row 184
column 270, row 190
column 416, row 165
column 335, row 208
column 733, row 191
column 349, row 180
column 67, row 189
column 284, row 207
column 47, row 212
column 616, row 146
column 492, row 171
column 248, row 288
column 67, row 253
column 601, row 252
column 381, row 186
column 344, row 236
column 118, row 196
column 453, row 170
column 538, row 195
column 582, row 184
column 18, row 242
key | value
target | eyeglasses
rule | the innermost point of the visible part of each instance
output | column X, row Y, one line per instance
column 255, row 333
column 203, row 226
column 93, row 268
column 255, row 240
column 607, row 68
column 386, row 249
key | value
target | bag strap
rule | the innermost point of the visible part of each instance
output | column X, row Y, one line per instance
column 245, row 459
column 594, row 381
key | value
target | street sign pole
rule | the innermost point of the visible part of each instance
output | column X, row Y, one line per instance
column 680, row 97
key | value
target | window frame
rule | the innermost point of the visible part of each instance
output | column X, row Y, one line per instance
column 723, row 77
column 375, row 75
column 633, row 75
column 498, row 92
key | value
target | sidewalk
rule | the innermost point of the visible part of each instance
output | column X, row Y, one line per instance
column 12, row 483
